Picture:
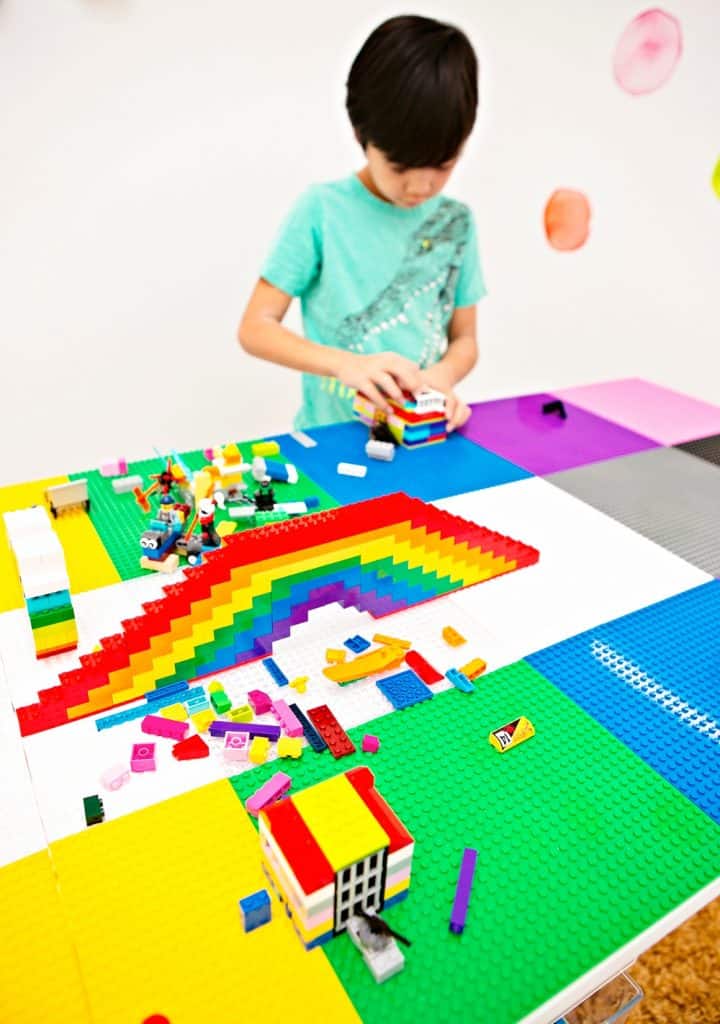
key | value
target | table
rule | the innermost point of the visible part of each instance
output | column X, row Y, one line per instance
column 594, row 838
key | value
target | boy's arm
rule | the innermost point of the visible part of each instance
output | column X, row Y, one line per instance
column 458, row 361
column 261, row 333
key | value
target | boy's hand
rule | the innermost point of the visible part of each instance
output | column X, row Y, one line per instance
column 384, row 373
column 456, row 411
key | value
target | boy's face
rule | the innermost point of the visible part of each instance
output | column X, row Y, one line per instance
column 405, row 186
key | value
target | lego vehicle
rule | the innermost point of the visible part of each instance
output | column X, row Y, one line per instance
column 66, row 496
column 380, row 950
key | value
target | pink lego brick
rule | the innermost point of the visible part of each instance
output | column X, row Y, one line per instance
column 370, row 744
column 116, row 776
column 288, row 721
column 154, row 725
column 259, row 701
column 113, row 467
column 142, row 758
column 236, row 746
column 273, row 790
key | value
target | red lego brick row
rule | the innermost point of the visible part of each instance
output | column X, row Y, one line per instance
column 338, row 741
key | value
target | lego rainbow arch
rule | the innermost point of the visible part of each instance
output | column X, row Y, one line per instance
column 381, row 555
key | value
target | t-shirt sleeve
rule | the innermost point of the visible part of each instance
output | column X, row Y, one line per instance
column 295, row 257
column 470, row 286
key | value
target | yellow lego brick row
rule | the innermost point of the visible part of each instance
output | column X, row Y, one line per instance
column 341, row 823
column 394, row 890
column 39, row 975
column 120, row 889
column 376, row 660
column 392, row 641
column 57, row 634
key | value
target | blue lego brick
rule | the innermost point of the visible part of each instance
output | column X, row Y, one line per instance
column 650, row 678
column 255, row 910
column 357, row 643
column 459, row 680
column 275, row 672
column 436, row 471
column 47, row 602
column 166, row 691
column 404, row 689
column 130, row 714
column 311, row 734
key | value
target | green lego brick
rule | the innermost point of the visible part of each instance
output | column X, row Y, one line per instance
column 581, row 846
column 51, row 616
column 120, row 521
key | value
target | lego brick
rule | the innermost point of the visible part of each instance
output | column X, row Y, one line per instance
column 191, row 749
column 291, row 725
column 269, row 732
column 311, row 734
column 344, row 827
column 94, row 810
column 272, row 790
column 357, row 644
column 255, row 910
column 142, row 757
column 459, row 680
column 326, row 724
column 275, row 672
column 458, row 914
column 404, row 689
column 422, row 668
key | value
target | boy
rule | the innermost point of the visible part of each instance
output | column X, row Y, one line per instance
column 386, row 268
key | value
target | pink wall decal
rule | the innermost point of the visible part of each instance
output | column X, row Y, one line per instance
column 647, row 52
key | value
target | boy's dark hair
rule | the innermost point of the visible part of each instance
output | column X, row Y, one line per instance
column 412, row 91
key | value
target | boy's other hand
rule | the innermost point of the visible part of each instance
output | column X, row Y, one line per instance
column 379, row 375
column 456, row 411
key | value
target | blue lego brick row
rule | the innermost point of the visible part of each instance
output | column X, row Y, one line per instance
column 130, row 714
column 460, row 681
column 311, row 734
column 650, row 678
column 357, row 643
column 255, row 910
column 275, row 672
column 166, row 691
column 48, row 602
column 404, row 689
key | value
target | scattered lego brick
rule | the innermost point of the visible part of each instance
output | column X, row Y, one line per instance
column 191, row 749
column 338, row 742
column 288, row 721
column 203, row 719
column 384, row 451
column 271, row 733
column 404, row 689
column 259, row 750
column 275, row 672
column 255, row 910
column 113, row 467
column 511, row 735
column 290, row 746
column 459, row 680
column 115, row 776
column 259, row 701
column 299, row 684
column 274, row 789
column 156, row 725
column 236, row 746
column 458, row 914
column 311, row 734
column 474, row 668
column 392, row 641
column 220, row 701
column 94, row 810
column 266, row 449
column 126, row 484
column 452, row 637
column 243, row 713
column 357, row 644
column 351, row 469
column 142, row 757
column 370, row 744
column 303, row 439
column 175, row 712
column 334, row 656
column 377, row 660
column 422, row 668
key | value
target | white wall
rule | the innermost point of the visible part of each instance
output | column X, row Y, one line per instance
column 148, row 149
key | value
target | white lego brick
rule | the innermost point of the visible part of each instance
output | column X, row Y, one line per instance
column 351, row 469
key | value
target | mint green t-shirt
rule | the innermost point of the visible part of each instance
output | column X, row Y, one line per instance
column 372, row 277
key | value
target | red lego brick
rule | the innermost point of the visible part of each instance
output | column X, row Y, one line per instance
column 422, row 668
column 338, row 741
column 191, row 749
column 309, row 864
column 363, row 781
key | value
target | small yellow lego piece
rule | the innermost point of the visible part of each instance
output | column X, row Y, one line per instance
column 259, row 749
column 289, row 746
column 474, row 668
column 334, row 656
column 175, row 712
column 452, row 637
column 244, row 713
column 202, row 719
column 512, row 734
column 300, row 684
column 266, row 449
column 392, row 641
column 215, row 686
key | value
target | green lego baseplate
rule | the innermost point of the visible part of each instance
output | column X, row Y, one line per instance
column 613, row 847
column 120, row 521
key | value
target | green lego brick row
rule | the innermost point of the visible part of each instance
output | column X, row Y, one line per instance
column 581, row 846
column 51, row 616
column 120, row 521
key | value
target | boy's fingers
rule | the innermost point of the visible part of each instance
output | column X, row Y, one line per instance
column 407, row 374
column 374, row 395
column 389, row 385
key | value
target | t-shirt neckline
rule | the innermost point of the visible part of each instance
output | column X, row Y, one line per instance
column 390, row 209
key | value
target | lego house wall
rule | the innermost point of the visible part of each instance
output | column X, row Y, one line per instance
column 150, row 149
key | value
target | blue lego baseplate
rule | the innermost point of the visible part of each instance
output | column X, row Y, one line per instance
column 651, row 679
column 404, row 689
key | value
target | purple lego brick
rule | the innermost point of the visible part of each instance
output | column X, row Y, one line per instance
column 270, row 732
column 517, row 429
column 459, row 911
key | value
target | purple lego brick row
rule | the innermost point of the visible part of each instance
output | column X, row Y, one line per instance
column 458, row 914
column 270, row 732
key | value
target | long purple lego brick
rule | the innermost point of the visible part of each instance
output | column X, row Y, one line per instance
column 462, row 890
column 270, row 732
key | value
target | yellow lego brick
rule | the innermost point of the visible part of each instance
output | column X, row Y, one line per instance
column 267, row 449
column 394, row 890
column 334, row 656
column 474, row 668
column 259, row 750
column 40, row 979
column 392, row 641
column 202, row 719
column 244, row 713
column 176, row 712
column 452, row 637
column 119, row 889
column 340, row 821
column 215, row 686
column 56, row 634
column 289, row 746
column 300, row 683
column 511, row 735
